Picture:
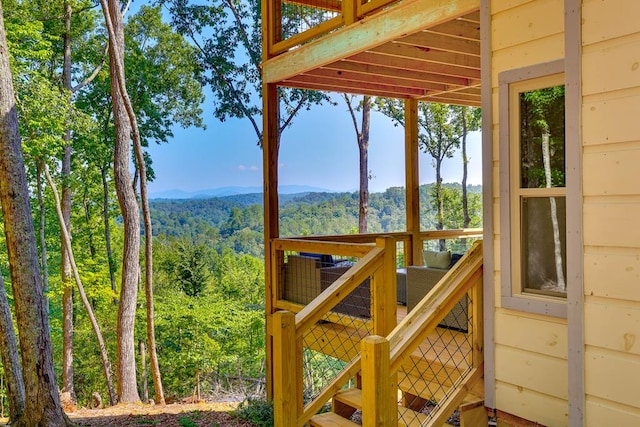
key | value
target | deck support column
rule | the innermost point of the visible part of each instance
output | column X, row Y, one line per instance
column 379, row 406
column 412, row 251
column 385, row 290
column 270, row 148
column 286, row 370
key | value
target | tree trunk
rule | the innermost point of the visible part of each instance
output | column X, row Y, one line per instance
column 127, row 387
column 363, row 149
column 465, row 165
column 66, row 240
column 65, row 269
column 10, row 360
column 42, row 401
column 439, row 203
column 119, row 75
column 143, row 363
column 546, row 157
column 107, row 232
column 43, row 240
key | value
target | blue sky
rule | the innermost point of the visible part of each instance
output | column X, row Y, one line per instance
column 319, row 150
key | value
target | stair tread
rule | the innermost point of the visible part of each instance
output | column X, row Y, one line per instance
column 410, row 418
column 329, row 419
column 351, row 397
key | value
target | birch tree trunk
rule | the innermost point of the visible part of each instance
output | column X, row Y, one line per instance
column 10, row 360
column 557, row 252
column 126, row 372
column 42, row 401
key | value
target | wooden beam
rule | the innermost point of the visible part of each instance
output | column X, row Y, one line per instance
column 458, row 28
column 372, row 78
column 337, row 85
column 456, row 96
column 416, row 65
column 441, row 100
column 430, row 55
column 353, row 90
column 458, row 75
column 359, row 64
column 429, row 39
column 397, row 21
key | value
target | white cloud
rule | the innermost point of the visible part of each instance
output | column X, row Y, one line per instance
column 251, row 168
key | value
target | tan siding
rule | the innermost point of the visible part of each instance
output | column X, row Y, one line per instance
column 606, row 413
column 541, row 373
column 618, row 164
column 602, row 21
column 603, row 114
column 613, row 324
column 612, row 222
column 622, row 69
column 542, row 408
column 612, row 274
column 527, row 332
column 612, row 376
column 534, row 52
column 611, row 138
column 530, row 21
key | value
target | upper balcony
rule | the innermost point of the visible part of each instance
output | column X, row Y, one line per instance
column 427, row 50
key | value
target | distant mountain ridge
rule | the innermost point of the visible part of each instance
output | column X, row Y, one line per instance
column 232, row 191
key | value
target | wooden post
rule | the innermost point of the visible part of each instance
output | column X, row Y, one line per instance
column 477, row 322
column 384, row 298
column 270, row 142
column 285, row 370
column 349, row 13
column 413, row 252
column 379, row 406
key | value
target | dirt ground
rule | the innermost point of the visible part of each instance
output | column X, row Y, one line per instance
column 174, row 415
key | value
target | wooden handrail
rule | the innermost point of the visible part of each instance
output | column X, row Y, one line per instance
column 424, row 318
column 333, row 247
column 342, row 287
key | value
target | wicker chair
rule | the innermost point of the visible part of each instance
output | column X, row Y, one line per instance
column 420, row 280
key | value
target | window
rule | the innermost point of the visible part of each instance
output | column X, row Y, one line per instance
column 532, row 158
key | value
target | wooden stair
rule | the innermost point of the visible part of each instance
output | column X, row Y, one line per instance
column 346, row 402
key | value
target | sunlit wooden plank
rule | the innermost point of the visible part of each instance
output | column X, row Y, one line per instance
column 428, row 54
column 395, row 22
column 458, row 28
column 351, row 90
column 428, row 39
column 416, row 65
column 369, row 68
column 338, row 85
column 372, row 78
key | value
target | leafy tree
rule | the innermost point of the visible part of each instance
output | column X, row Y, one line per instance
column 42, row 403
column 227, row 36
column 362, row 135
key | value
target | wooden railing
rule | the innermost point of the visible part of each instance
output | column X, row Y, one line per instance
column 288, row 329
column 394, row 344
column 339, row 14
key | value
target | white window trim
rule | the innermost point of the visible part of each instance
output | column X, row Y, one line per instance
column 511, row 296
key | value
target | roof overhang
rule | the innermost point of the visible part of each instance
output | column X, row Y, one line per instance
column 422, row 49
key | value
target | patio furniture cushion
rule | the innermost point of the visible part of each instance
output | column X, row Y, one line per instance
column 435, row 259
